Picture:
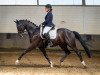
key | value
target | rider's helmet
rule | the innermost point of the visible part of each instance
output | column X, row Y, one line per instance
column 48, row 6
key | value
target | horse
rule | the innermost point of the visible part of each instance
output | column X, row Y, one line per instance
column 64, row 38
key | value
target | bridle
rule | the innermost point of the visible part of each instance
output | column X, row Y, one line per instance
column 21, row 34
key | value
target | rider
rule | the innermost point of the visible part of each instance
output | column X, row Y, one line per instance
column 48, row 24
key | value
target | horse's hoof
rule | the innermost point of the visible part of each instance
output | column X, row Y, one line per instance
column 17, row 62
column 83, row 63
column 61, row 63
column 51, row 64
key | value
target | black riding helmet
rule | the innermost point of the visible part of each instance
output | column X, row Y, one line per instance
column 48, row 6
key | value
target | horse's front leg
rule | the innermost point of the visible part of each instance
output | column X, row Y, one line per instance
column 26, row 51
column 46, row 56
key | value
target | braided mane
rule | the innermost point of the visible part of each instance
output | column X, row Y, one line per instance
column 29, row 22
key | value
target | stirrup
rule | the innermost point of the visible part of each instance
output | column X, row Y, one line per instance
column 50, row 44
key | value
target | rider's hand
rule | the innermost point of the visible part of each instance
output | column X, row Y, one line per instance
column 43, row 23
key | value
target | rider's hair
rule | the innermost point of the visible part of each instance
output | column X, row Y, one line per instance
column 51, row 10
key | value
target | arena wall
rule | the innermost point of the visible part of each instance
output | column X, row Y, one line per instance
column 85, row 20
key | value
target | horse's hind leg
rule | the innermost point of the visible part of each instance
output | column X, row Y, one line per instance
column 26, row 51
column 79, row 55
column 71, row 43
column 67, row 52
column 46, row 56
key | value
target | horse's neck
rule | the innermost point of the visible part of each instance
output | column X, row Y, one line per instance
column 30, row 30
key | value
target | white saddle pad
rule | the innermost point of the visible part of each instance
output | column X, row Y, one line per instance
column 53, row 33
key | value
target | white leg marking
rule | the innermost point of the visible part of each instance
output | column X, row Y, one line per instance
column 61, row 63
column 51, row 64
column 17, row 62
column 83, row 63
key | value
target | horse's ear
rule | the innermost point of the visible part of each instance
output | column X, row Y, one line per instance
column 16, row 21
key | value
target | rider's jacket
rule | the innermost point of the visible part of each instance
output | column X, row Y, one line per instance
column 48, row 20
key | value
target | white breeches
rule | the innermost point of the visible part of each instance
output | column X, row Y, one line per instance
column 46, row 29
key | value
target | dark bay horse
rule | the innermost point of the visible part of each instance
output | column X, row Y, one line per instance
column 64, row 39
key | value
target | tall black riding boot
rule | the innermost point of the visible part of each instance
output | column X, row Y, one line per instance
column 47, row 37
column 48, row 40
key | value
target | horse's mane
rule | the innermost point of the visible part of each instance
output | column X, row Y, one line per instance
column 25, row 20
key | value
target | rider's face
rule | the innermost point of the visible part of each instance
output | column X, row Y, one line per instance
column 46, row 9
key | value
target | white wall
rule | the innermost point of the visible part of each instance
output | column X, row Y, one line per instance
column 85, row 20
column 18, row 2
column 92, row 20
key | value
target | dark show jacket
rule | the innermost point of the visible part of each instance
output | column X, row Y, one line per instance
column 48, row 20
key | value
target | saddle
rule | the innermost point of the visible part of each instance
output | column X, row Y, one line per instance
column 52, row 32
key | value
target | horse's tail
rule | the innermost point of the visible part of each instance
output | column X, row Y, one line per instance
column 77, row 35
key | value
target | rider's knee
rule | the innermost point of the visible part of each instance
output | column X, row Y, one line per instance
column 45, row 34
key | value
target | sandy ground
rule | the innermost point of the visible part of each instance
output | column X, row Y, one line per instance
column 36, row 64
